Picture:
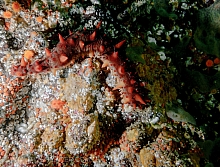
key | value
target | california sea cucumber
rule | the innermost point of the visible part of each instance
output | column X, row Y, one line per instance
column 77, row 46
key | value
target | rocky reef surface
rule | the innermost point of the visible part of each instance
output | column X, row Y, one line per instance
column 87, row 83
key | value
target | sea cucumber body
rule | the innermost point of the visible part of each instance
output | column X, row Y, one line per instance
column 76, row 47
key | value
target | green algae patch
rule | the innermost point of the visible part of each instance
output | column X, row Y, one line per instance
column 163, row 8
column 135, row 51
column 135, row 54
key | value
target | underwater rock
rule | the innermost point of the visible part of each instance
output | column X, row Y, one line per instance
column 147, row 158
column 163, row 9
column 82, row 136
column 207, row 37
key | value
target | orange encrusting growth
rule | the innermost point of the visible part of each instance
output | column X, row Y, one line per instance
column 217, row 60
column 209, row 63
column 57, row 104
column 16, row 7
column 7, row 14
column 39, row 19
column 28, row 54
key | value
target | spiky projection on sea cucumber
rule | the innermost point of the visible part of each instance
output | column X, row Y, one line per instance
column 78, row 46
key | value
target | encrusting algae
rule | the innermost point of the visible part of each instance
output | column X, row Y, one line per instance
column 159, row 77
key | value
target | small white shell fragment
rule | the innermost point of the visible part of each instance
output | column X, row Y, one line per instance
column 154, row 120
column 162, row 55
column 95, row 2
